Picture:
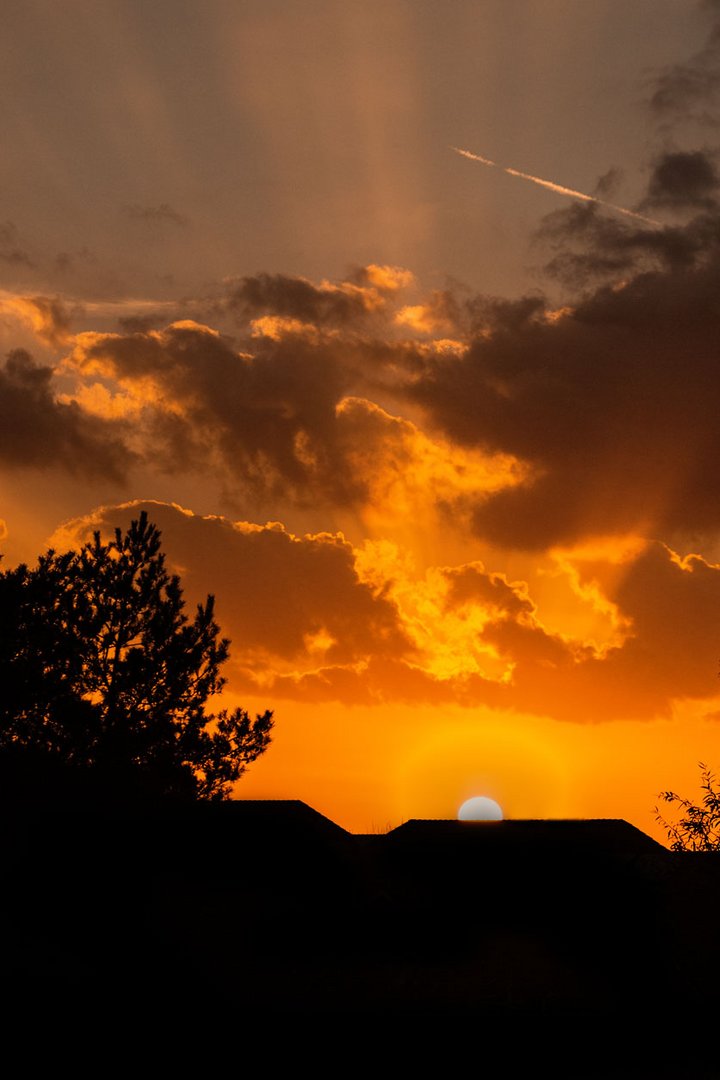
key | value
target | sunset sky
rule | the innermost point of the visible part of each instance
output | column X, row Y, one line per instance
column 443, row 441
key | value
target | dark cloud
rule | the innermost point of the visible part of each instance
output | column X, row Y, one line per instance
column 296, row 298
column 37, row 430
column 588, row 246
column 614, row 403
column 683, row 179
column 268, row 421
column 611, row 403
column 263, row 415
column 263, row 410
column 613, row 398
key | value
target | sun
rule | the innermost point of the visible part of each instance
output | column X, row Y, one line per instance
column 480, row 808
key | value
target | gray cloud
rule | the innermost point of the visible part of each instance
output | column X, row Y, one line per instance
column 611, row 402
column 294, row 297
column 683, row 179
column 37, row 430
column 615, row 403
column 269, row 419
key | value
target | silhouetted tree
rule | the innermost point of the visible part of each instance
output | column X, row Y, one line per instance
column 101, row 669
column 699, row 827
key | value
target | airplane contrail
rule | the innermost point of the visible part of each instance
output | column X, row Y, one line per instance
column 558, row 188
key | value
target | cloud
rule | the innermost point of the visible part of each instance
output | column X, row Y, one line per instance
column 10, row 247
column 669, row 653
column 48, row 316
column 689, row 90
column 325, row 304
column 525, row 425
column 682, row 179
column 613, row 404
column 155, row 216
column 531, row 426
column 283, row 599
column 610, row 401
column 470, row 584
column 313, row 618
column 588, row 248
column 407, row 472
column 267, row 420
column 439, row 313
column 286, row 416
column 37, row 430
column 545, row 673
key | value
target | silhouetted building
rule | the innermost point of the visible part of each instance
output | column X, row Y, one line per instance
column 282, row 911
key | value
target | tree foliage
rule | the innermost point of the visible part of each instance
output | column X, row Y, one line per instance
column 698, row 829
column 101, row 668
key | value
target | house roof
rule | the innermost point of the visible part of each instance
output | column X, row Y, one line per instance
column 609, row 835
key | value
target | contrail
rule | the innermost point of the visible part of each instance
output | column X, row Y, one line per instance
column 558, row 188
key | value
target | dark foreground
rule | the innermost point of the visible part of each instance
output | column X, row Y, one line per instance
column 587, row 933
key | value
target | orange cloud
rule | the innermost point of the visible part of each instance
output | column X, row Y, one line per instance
column 96, row 399
column 279, row 326
column 439, row 313
column 388, row 278
column 47, row 316
column 406, row 471
column 285, row 600
column 315, row 619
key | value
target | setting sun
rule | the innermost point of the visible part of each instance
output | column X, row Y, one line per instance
column 480, row 808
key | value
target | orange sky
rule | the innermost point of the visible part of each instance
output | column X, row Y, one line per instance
column 464, row 539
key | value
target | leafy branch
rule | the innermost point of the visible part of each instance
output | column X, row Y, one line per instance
column 698, row 828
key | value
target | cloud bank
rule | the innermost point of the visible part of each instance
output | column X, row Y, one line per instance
column 314, row 618
column 532, row 439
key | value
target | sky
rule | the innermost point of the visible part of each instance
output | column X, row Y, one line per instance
column 438, row 429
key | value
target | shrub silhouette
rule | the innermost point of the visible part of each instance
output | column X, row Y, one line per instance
column 699, row 827
column 100, row 669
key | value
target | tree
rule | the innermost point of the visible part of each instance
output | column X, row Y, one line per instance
column 101, row 669
column 699, row 827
